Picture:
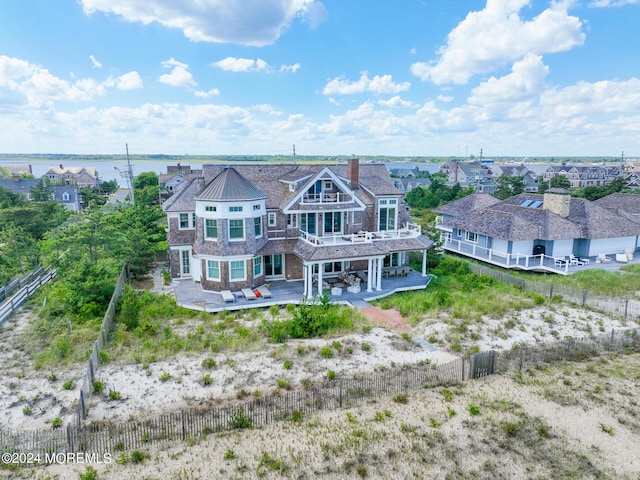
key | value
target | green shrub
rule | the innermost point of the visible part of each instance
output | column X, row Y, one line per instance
column 165, row 377
column 229, row 455
column 68, row 385
column 27, row 411
column 401, row 398
column 56, row 423
column 366, row 347
column 331, row 375
column 98, row 387
column 239, row 420
column 326, row 352
column 473, row 409
column 138, row 457
column 114, row 395
column 89, row 474
column 209, row 363
column 207, row 380
column 287, row 364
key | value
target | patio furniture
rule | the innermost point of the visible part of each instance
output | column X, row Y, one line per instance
column 621, row 258
column 264, row 291
column 362, row 275
column 227, row 296
column 602, row 258
column 353, row 289
column 336, row 290
column 560, row 262
column 248, row 294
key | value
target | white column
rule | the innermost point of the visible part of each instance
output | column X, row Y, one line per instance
column 370, row 275
column 320, row 269
column 424, row 263
column 305, row 279
column 379, row 274
column 310, row 282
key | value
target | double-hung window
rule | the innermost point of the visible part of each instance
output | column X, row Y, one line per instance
column 236, row 229
column 211, row 228
column 257, row 266
column 213, row 270
column 237, row 270
column 257, row 226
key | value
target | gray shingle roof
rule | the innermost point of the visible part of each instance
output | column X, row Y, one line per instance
column 230, row 185
column 467, row 204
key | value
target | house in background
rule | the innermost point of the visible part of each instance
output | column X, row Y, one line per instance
column 535, row 232
column 66, row 195
column 584, row 175
column 241, row 226
column 78, row 176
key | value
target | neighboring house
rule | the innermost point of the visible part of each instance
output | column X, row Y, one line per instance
column 476, row 174
column 173, row 182
column 531, row 180
column 79, row 176
column 20, row 170
column 241, row 226
column 68, row 196
column 403, row 172
column 584, row 175
column 17, row 184
column 625, row 204
column 65, row 195
column 533, row 228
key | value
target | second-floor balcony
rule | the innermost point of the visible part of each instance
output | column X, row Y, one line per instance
column 326, row 197
column 409, row 230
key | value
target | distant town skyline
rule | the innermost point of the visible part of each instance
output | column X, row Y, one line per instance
column 410, row 78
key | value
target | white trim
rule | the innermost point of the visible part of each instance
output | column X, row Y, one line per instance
column 215, row 279
column 217, row 227
column 270, row 216
column 244, row 271
column 244, row 233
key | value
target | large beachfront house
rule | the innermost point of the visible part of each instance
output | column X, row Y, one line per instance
column 240, row 226
column 550, row 232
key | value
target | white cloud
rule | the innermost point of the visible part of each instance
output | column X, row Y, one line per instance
column 445, row 98
column 290, row 68
column 95, row 62
column 396, row 102
column 233, row 64
column 179, row 76
column 613, row 3
column 246, row 22
column 377, row 84
column 129, row 81
column 525, row 81
column 487, row 39
column 22, row 83
column 214, row 92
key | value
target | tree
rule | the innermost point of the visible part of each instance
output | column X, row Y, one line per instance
column 10, row 199
column 40, row 192
column 509, row 186
column 558, row 181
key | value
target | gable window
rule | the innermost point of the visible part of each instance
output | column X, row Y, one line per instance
column 257, row 266
column 237, row 271
column 236, row 229
column 237, row 208
column 387, row 214
column 213, row 270
column 65, row 197
column 184, row 221
column 328, row 184
column 471, row 237
column 211, row 228
column 272, row 219
column 257, row 226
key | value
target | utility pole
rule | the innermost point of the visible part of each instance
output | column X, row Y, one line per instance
column 130, row 177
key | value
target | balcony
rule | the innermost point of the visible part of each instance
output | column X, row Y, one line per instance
column 409, row 230
column 326, row 197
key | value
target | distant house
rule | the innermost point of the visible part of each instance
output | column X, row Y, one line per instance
column 581, row 176
column 79, row 176
column 241, row 226
column 66, row 195
column 531, row 180
column 532, row 231
column 20, row 170
column 476, row 174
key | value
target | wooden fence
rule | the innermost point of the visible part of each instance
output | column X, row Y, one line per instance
column 17, row 292
column 622, row 307
column 106, row 328
column 110, row 437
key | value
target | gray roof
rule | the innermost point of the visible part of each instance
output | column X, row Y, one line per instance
column 21, row 185
column 467, row 204
column 627, row 202
column 230, row 185
column 509, row 220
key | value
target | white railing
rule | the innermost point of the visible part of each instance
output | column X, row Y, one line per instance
column 411, row 230
column 509, row 260
column 326, row 197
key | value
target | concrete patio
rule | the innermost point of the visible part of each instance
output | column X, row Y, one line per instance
column 191, row 295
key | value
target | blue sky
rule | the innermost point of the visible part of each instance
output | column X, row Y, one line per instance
column 333, row 77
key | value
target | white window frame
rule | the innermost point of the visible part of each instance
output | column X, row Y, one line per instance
column 256, row 207
column 237, row 239
column 210, row 208
column 471, row 237
column 210, row 264
column 292, row 220
column 65, row 196
column 188, row 218
column 244, row 270
column 271, row 219
column 185, row 263
column 235, row 208
column 206, row 229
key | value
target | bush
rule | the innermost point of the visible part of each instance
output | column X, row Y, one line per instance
column 209, row 363
column 89, row 474
column 56, row 423
column 287, row 364
column 331, row 375
column 114, row 395
column 326, row 352
column 207, row 380
column 68, row 385
column 98, row 387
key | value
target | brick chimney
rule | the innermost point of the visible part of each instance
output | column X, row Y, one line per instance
column 353, row 172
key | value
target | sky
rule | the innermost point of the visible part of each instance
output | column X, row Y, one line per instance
column 332, row 77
